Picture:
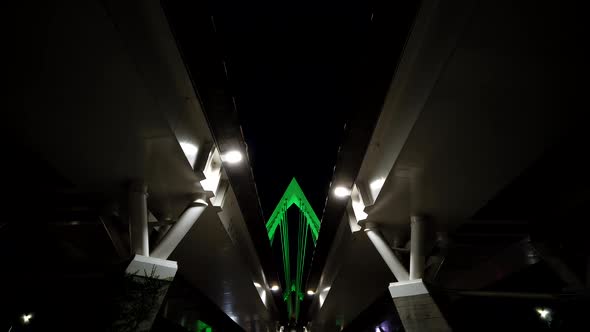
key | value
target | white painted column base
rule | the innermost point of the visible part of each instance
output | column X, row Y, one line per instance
column 146, row 283
column 407, row 288
column 143, row 266
column 416, row 308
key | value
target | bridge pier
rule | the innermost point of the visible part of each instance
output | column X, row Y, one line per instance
column 147, row 279
column 416, row 308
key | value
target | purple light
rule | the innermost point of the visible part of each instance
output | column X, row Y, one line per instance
column 385, row 326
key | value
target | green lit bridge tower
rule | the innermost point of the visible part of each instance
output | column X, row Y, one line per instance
column 293, row 292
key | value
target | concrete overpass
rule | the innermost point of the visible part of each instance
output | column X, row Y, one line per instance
column 460, row 176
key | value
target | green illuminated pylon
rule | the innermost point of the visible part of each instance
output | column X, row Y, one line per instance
column 307, row 218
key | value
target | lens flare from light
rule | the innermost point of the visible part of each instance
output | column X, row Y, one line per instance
column 232, row 157
column 341, row 192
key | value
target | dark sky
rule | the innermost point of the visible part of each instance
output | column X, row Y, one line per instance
column 293, row 66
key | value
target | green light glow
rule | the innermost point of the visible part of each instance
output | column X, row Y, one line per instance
column 203, row 327
column 293, row 293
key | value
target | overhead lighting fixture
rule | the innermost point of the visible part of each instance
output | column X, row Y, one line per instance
column 274, row 288
column 27, row 318
column 232, row 157
column 544, row 313
column 310, row 292
column 341, row 192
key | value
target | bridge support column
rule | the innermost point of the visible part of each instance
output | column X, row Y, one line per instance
column 177, row 232
column 416, row 308
column 417, row 255
column 147, row 279
column 138, row 224
column 396, row 267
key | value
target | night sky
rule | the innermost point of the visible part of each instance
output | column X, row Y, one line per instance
column 293, row 68
column 297, row 71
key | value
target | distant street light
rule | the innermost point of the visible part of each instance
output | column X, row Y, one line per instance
column 26, row 318
column 544, row 313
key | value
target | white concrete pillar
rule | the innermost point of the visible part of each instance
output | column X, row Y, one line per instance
column 138, row 222
column 396, row 267
column 417, row 255
column 177, row 232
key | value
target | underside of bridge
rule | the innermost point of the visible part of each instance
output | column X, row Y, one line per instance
column 296, row 166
